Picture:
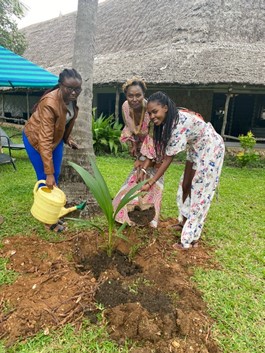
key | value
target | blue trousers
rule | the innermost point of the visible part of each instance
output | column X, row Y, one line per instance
column 37, row 163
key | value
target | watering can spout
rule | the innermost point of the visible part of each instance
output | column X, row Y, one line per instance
column 64, row 211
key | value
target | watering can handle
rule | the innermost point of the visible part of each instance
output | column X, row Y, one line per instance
column 37, row 184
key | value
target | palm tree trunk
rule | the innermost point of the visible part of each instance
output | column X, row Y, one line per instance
column 84, row 49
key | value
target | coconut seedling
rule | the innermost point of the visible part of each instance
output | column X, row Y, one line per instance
column 99, row 189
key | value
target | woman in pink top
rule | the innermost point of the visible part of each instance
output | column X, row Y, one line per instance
column 136, row 121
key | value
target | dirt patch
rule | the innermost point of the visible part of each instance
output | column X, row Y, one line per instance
column 145, row 288
column 142, row 217
column 48, row 291
column 114, row 292
column 100, row 262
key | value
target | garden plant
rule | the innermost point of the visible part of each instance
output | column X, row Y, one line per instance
column 248, row 155
column 106, row 134
column 99, row 189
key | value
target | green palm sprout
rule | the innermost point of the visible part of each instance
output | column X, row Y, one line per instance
column 101, row 193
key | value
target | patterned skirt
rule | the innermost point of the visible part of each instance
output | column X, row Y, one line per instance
column 153, row 197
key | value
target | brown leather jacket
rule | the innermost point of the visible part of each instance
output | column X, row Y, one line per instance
column 46, row 127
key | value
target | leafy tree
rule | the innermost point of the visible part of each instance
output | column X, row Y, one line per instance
column 10, row 37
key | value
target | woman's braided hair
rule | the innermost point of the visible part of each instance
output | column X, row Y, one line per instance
column 162, row 133
column 66, row 73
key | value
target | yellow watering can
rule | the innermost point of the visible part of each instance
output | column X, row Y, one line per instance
column 48, row 205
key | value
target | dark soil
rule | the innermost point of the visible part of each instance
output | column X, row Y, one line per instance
column 145, row 288
column 142, row 217
column 100, row 261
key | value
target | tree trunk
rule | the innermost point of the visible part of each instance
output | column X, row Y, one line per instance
column 83, row 59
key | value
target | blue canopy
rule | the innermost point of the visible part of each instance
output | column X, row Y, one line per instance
column 16, row 71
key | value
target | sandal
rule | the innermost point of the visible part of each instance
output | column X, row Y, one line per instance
column 61, row 222
column 57, row 227
column 179, row 246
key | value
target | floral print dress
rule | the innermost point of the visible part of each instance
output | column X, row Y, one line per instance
column 131, row 133
column 205, row 148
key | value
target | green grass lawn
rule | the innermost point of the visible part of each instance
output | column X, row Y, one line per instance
column 235, row 227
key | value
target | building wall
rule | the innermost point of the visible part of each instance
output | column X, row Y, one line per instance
column 198, row 101
column 16, row 104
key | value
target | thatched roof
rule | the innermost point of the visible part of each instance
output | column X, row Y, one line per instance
column 164, row 41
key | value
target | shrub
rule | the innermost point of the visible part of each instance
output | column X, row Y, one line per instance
column 106, row 134
column 248, row 155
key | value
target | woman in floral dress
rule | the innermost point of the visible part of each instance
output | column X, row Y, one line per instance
column 136, row 121
column 184, row 190
column 179, row 130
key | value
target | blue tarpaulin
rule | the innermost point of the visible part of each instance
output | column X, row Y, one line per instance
column 16, row 71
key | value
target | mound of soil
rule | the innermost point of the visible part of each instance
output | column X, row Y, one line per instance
column 144, row 287
column 142, row 217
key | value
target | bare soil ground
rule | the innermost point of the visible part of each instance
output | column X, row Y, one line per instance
column 145, row 288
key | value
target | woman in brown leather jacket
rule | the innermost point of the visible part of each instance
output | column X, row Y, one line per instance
column 50, row 125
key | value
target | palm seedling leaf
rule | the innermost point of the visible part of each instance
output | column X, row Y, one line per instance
column 130, row 195
column 104, row 190
column 97, row 186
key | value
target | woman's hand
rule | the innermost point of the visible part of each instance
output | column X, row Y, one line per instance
column 142, row 170
column 50, row 181
column 141, row 175
column 71, row 143
column 147, row 186
column 138, row 164
column 133, row 150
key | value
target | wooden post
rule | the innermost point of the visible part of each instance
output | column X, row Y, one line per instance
column 27, row 104
column 228, row 96
column 2, row 105
column 117, row 102
column 232, row 116
column 254, row 114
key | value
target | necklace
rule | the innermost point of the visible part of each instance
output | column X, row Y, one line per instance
column 137, row 130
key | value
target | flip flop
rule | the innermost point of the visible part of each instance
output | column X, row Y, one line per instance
column 61, row 222
column 179, row 246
